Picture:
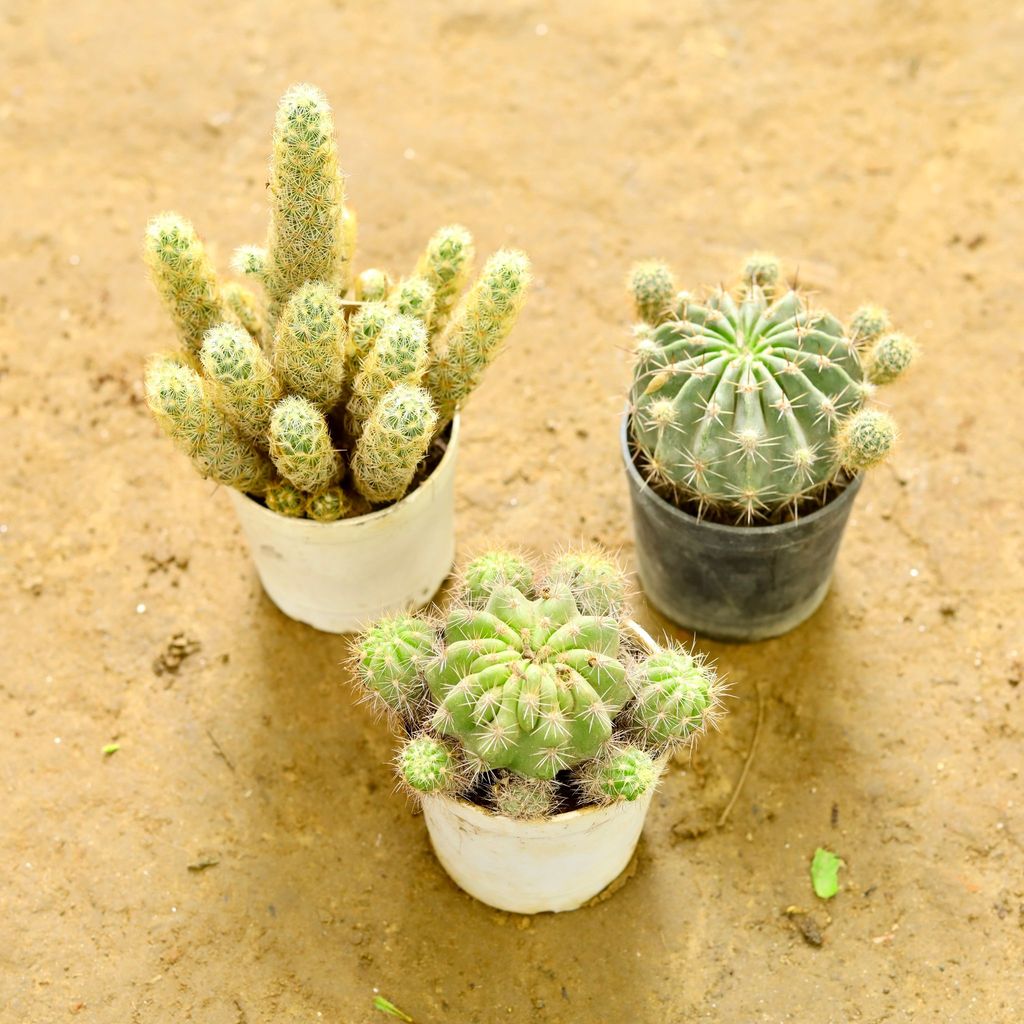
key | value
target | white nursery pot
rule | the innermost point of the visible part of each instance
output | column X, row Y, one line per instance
column 528, row 867
column 340, row 576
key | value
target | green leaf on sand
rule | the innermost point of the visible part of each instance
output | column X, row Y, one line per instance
column 111, row 748
column 825, row 873
column 385, row 1006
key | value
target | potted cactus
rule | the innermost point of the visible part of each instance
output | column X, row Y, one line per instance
column 745, row 440
column 330, row 405
column 535, row 723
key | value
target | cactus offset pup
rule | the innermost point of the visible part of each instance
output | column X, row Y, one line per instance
column 326, row 394
column 530, row 696
column 753, row 405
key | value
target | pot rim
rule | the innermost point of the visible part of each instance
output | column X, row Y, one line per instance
column 846, row 494
column 312, row 525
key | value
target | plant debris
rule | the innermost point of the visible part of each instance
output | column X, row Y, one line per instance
column 825, row 867
column 111, row 748
column 386, row 1006
column 806, row 925
column 179, row 647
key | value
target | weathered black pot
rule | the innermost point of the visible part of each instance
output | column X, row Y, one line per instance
column 738, row 583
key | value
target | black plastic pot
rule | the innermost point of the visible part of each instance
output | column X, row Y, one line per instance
column 737, row 583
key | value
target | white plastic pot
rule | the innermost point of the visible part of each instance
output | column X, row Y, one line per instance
column 528, row 867
column 339, row 576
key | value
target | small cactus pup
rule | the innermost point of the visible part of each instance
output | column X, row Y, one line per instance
column 749, row 408
column 531, row 699
column 324, row 391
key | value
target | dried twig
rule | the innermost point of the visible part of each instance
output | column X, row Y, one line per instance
column 746, row 766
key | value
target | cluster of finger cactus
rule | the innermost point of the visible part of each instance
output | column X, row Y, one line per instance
column 532, row 694
column 753, row 404
column 267, row 395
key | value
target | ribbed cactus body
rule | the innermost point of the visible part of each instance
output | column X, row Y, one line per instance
column 185, row 410
column 621, row 773
column 427, row 765
column 737, row 404
column 593, row 579
column 307, row 234
column 446, row 263
column 364, row 328
column 300, row 445
column 241, row 379
column 329, row 505
column 373, row 285
column 495, row 569
column 528, row 685
column 393, row 443
column 473, row 336
column 244, row 306
column 653, row 289
column 675, row 694
column 309, row 348
column 392, row 655
column 184, row 276
column 398, row 356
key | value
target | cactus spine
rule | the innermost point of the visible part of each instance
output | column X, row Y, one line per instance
column 183, row 407
column 749, row 406
column 476, row 330
column 306, row 241
column 393, row 443
column 286, row 372
column 521, row 683
column 300, row 445
column 240, row 378
column 185, row 278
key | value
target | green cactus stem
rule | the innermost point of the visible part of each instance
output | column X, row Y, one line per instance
column 737, row 405
column 285, row 500
column 306, row 239
column 620, row 773
column 653, row 289
column 472, row 339
column 364, row 328
column 245, row 307
column 185, row 410
column 309, row 349
column 413, row 296
column 240, row 379
column 446, row 263
column 349, row 231
column 427, row 765
column 595, row 581
column 329, row 505
column 677, row 696
column 866, row 439
column 390, row 658
column 184, row 276
column 300, row 445
column 531, row 685
column 889, row 357
column 494, row 569
column 393, row 442
column 399, row 356
column 522, row 798
column 373, row 285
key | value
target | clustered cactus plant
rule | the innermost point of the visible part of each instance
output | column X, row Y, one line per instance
column 752, row 405
column 532, row 695
column 266, row 396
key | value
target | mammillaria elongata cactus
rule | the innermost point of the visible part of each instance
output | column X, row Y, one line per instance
column 752, row 405
column 274, row 396
column 533, row 697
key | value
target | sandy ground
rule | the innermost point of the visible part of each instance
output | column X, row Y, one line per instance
column 879, row 146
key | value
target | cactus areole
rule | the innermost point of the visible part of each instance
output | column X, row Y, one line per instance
column 751, row 407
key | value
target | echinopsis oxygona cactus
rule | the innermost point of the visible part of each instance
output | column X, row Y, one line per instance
column 532, row 695
column 752, row 405
column 267, row 395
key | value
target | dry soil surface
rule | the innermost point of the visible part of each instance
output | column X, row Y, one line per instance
column 877, row 144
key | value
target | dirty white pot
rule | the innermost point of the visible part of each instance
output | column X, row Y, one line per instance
column 528, row 867
column 340, row 576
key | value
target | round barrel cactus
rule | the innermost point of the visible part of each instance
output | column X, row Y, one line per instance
column 746, row 404
column 527, row 697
